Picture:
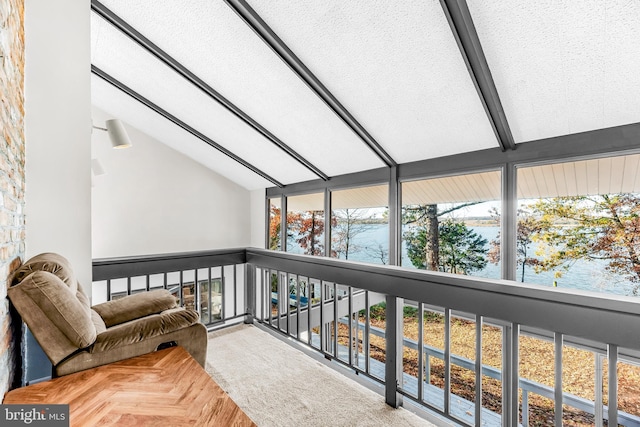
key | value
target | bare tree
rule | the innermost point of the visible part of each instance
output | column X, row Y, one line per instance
column 349, row 223
column 380, row 253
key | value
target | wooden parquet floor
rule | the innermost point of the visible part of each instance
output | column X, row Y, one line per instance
column 164, row 388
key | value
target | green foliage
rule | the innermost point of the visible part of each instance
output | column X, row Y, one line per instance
column 604, row 227
column 567, row 229
column 409, row 311
column 432, row 317
column 416, row 241
column 378, row 312
column 461, row 250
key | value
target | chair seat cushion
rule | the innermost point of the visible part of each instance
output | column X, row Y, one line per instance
column 144, row 328
column 193, row 338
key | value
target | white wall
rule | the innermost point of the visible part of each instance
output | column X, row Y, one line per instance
column 153, row 199
column 57, row 131
column 258, row 224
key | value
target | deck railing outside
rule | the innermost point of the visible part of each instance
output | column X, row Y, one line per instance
column 367, row 317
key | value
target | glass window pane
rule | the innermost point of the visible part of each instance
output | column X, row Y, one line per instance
column 452, row 224
column 578, row 225
column 305, row 224
column 275, row 225
column 360, row 224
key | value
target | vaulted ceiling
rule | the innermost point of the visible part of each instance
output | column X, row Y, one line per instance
column 274, row 92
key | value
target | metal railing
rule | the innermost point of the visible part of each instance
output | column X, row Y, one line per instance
column 210, row 282
column 343, row 292
column 328, row 305
column 527, row 386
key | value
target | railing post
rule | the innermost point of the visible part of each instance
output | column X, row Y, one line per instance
column 249, row 292
column 421, row 361
column 598, row 412
column 447, row 361
column 612, row 406
column 525, row 408
column 478, row 368
column 510, row 376
column 558, row 396
column 393, row 358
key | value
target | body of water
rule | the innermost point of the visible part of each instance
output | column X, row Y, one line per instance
column 585, row 275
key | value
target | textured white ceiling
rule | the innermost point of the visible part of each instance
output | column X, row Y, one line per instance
column 121, row 58
column 210, row 40
column 394, row 65
column 562, row 66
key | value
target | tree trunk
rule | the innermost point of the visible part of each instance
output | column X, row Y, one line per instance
column 312, row 245
column 347, row 235
column 432, row 246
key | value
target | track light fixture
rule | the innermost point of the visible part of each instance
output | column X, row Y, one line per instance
column 117, row 133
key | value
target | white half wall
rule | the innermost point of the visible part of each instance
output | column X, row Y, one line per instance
column 57, row 132
column 152, row 199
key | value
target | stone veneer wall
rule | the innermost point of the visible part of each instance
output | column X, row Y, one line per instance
column 12, row 174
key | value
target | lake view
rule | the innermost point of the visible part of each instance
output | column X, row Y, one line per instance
column 585, row 275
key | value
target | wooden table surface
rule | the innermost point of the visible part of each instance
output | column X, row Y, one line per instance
column 164, row 388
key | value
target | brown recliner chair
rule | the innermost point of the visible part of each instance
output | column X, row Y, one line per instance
column 76, row 336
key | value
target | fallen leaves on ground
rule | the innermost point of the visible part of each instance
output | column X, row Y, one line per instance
column 536, row 364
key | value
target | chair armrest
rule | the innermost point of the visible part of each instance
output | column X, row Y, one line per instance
column 148, row 327
column 134, row 307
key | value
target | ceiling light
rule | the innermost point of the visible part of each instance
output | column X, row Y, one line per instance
column 117, row 133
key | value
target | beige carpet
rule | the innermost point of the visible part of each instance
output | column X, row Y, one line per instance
column 278, row 385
